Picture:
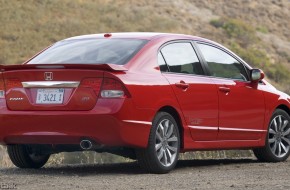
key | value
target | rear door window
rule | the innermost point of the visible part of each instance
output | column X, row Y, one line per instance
column 181, row 58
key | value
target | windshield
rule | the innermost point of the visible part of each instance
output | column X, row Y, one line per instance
column 90, row 51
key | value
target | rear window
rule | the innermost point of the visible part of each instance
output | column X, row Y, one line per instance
column 90, row 51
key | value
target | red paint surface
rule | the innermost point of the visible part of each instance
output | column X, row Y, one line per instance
column 214, row 113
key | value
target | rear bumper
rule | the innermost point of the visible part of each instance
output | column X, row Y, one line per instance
column 114, row 122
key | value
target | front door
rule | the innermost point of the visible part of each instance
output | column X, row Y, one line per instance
column 241, row 104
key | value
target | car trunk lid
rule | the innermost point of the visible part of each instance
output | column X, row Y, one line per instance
column 68, row 87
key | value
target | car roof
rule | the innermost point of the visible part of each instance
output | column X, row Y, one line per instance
column 137, row 35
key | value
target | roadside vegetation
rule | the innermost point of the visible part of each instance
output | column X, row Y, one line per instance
column 245, row 42
column 31, row 25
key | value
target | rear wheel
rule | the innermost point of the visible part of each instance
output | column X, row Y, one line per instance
column 24, row 156
column 161, row 154
column 277, row 147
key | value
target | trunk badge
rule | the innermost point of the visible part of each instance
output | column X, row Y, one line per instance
column 16, row 99
column 48, row 75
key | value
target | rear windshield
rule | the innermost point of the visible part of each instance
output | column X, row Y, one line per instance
column 90, row 51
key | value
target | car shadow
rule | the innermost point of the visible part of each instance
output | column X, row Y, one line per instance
column 213, row 162
column 129, row 168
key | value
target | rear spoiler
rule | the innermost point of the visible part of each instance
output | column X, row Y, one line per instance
column 108, row 67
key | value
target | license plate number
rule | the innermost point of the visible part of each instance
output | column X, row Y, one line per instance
column 50, row 96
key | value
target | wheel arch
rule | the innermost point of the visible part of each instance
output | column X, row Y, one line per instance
column 172, row 111
column 284, row 107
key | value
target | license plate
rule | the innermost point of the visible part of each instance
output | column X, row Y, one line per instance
column 50, row 96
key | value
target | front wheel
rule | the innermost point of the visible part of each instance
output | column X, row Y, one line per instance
column 277, row 147
column 23, row 156
column 161, row 154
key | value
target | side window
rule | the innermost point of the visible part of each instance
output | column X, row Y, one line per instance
column 181, row 58
column 162, row 64
column 222, row 64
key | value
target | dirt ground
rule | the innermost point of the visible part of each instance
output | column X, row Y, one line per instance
column 189, row 174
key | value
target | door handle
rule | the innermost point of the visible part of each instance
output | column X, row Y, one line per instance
column 224, row 89
column 182, row 85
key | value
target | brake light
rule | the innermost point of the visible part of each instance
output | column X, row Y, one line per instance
column 94, row 83
column 12, row 83
column 107, row 35
column 2, row 89
column 113, row 89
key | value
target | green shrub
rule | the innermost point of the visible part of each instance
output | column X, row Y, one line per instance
column 243, row 33
column 218, row 23
column 244, row 41
column 258, row 58
column 262, row 29
column 255, row 57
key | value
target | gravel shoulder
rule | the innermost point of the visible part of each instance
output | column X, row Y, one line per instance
column 189, row 174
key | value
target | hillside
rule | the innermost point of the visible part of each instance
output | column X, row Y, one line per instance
column 258, row 31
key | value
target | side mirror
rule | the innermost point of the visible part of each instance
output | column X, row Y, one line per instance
column 257, row 75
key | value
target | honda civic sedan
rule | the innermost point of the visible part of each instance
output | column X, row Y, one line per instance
column 146, row 96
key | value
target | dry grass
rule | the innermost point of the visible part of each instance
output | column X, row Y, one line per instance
column 103, row 158
column 29, row 26
column 4, row 159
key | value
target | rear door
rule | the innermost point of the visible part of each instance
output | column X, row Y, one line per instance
column 52, row 89
column 241, row 104
column 196, row 94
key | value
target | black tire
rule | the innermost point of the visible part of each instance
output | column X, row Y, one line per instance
column 268, row 153
column 169, row 146
column 22, row 156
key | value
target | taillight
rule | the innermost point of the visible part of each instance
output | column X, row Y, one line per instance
column 107, row 88
column 12, row 83
column 112, row 88
column 94, row 83
column 2, row 88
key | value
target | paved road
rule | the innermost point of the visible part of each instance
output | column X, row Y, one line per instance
column 189, row 174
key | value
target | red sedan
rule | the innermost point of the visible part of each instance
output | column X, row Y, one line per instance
column 147, row 96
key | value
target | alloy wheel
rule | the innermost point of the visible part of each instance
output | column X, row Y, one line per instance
column 166, row 145
column 279, row 136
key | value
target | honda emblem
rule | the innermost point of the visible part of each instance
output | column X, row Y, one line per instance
column 48, row 75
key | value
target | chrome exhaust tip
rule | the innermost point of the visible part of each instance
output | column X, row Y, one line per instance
column 86, row 144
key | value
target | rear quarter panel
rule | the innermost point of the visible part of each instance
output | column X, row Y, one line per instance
column 149, row 89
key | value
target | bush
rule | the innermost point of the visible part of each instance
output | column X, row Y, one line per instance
column 258, row 58
column 255, row 57
column 262, row 29
column 240, row 31
column 218, row 23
